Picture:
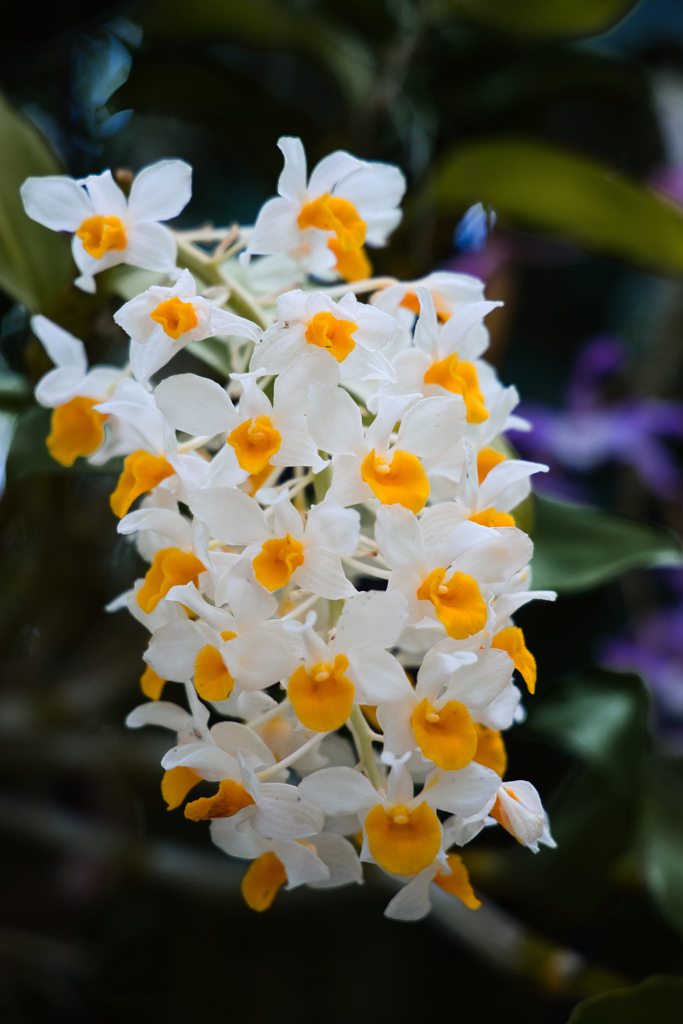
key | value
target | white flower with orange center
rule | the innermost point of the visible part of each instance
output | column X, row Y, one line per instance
column 108, row 228
column 449, row 292
column 279, row 545
column 446, row 574
column 438, row 717
column 235, row 759
column 370, row 463
column 486, row 495
column 225, row 652
column 349, row 333
column 446, row 358
column 162, row 321
column 402, row 832
column 325, row 222
column 354, row 667
column 518, row 808
column 260, row 435
column 322, row 861
column 72, row 391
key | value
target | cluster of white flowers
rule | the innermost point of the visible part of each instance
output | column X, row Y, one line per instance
column 334, row 559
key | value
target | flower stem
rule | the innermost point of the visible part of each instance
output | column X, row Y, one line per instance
column 362, row 734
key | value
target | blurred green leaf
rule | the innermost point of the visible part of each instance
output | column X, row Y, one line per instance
column 567, row 195
column 662, row 839
column 576, row 547
column 541, row 19
column 266, row 23
column 215, row 352
column 601, row 719
column 657, row 1000
column 28, row 452
column 34, row 261
column 15, row 390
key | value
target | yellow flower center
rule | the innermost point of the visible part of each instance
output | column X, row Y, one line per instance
column 460, row 378
column 486, row 460
column 255, row 442
column 230, row 798
column 458, row 882
column 175, row 316
column 322, row 698
column 151, row 684
column 277, row 561
column 331, row 213
column 77, row 429
column 263, row 880
column 352, row 264
column 512, row 641
column 411, row 301
column 457, row 602
column 212, row 681
column 142, row 471
column 491, row 749
column 171, row 567
column 447, row 736
column 176, row 784
column 402, row 481
column 492, row 517
column 100, row 234
column 334, row 335
column 403, row 841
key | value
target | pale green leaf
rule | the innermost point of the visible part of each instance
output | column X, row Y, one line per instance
column 540, row 19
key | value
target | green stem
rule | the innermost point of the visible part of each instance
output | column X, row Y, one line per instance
column 240, row 300
column 363, row 736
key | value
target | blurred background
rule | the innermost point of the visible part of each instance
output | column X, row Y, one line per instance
column 565, row 121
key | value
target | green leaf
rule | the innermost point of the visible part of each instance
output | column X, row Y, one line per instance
column 28, row 452
column 657, row 1000
column 35, row 263
column 541, row 19
column 576, row 547
column 662, row 839
column 601, row 719
column 266, row 23
column 564, row 194
column 215, row 352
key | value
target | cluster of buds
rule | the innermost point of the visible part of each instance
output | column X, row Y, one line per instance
column 334, row 561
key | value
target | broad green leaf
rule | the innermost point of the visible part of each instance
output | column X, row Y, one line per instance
column 28, row 452
column 268, row 23
column 576, row 547
column 662, row 839
column 564, row 194
column 657, row 1000
column 35, row 263
column 539, row 19
column 601, row 719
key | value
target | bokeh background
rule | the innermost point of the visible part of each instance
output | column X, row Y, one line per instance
column 565, row 121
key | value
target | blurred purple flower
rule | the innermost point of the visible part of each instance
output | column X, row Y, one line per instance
column 590, row 431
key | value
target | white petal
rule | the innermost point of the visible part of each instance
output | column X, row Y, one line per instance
column 399, row 537
column 232, row 515
column 322, row 574
column 58, row 386
column 412, row 902
column 159, row 712
column 63, row 348
column 173, row 651
column 107, row 198
column 285, row 813
column 151, row 246
column 195, row 405
column 378, row 675
column 340, row 859
column 239, row 739
column 276, row 228
column 332, row 527
column 158, row 520
column 258, row 659
column 340, row 791
column 335, row 421
column 292, row 181
column 300, row 863
column 430, row 427
column 373, row 618
column 56, row 201
column 464, row 792
column 160, row 191
column 328, row 171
